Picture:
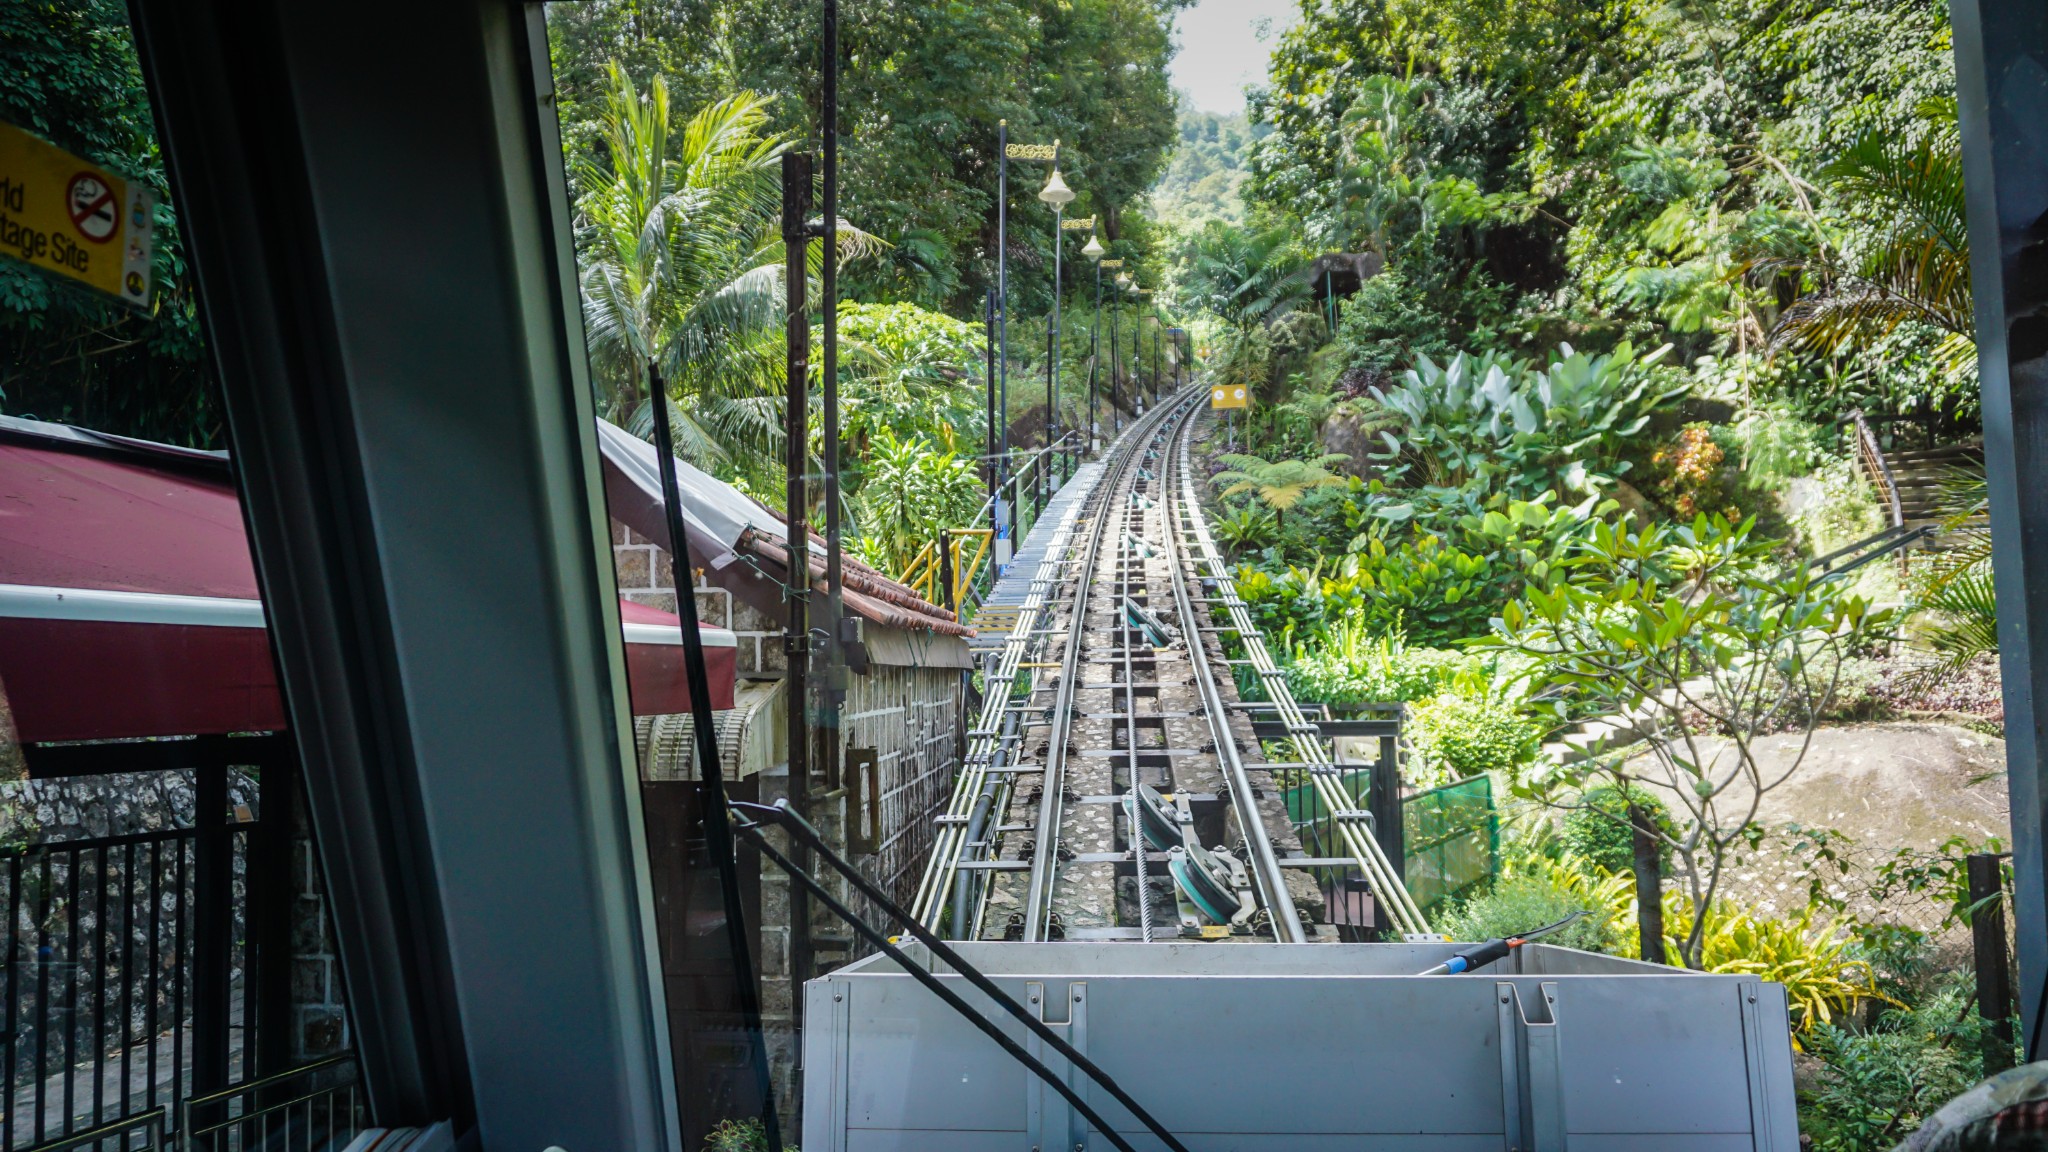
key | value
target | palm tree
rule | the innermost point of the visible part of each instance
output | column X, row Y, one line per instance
column 1918, row 267
column 683, row 268
column 682, row 256
column 1279, row 484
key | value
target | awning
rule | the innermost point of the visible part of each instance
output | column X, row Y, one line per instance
column 128, row 602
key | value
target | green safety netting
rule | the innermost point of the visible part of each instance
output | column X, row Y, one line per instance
column 1451, row 835
column 1451, row 839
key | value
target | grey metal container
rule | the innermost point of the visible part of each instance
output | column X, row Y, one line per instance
column 1256, row 1047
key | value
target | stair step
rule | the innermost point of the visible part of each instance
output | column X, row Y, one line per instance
column 1945, row 453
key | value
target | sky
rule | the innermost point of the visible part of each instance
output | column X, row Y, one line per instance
column 1220, row 51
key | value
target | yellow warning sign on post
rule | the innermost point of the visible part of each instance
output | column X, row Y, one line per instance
column 1228, row 396
column 74, row 218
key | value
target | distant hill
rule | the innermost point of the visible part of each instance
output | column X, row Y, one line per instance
column 1208, row 165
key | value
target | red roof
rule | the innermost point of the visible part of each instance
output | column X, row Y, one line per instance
column 129, row 607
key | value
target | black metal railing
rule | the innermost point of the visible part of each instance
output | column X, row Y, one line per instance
column 313, row 1108
column 140, row 969
column 103, row 1019
column 145, row 1132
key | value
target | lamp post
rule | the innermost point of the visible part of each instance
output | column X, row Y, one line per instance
column 1057, row 194
column 1094, row 251
column 1006, row 152
column 1116, row 353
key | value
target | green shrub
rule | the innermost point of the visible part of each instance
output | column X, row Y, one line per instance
column 1878, row 1084
column 1359, row 666
column 1385, row 326
column 1599, row 832
column 1526, row 902
column 1462, row 735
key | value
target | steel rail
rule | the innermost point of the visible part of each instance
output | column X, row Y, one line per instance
column 1127, row 636
column 1267, row 875
column 1322, row 771
column 1110, row 488
column 990, row 752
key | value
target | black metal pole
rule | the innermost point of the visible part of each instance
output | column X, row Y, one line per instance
column 1115, row 363
column 1003, row 284
column 988, row 439
column 1052, row 365
column 711, row 774
column 1095, row 355
column 1156, row 323
column 828, row 290
column 1986, row 877
column 796, row 593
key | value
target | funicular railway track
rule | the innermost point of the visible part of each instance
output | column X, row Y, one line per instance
column 1113, row 788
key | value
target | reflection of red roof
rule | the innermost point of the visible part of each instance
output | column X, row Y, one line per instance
column 128, row 600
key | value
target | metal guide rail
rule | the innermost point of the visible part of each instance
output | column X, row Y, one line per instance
column 947, row 893
column 1123, row 835
column 1320, row 767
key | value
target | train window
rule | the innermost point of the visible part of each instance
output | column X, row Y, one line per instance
column 167, row 940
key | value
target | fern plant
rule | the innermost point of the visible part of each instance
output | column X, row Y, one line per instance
column 1278, row 484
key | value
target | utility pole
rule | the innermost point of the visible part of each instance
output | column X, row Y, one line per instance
column 1094, row 252
column 988, row 438
column 1116, row 412
column 796, row 594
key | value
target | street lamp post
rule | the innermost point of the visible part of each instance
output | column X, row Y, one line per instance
column 1006, row 152
column 1094, row 252
column 1116, row 352
column 1057, row 194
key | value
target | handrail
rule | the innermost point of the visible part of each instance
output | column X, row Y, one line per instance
column 1880, row 470
column 150, row 1124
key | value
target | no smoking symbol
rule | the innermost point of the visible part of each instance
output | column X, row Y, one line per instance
column 93, row 210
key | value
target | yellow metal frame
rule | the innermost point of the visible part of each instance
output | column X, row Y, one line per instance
column 921, row 575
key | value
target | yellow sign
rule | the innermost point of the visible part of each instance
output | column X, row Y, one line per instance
column 76, row 219
column 1228, row 396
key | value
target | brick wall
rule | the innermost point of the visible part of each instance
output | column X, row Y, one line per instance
column 646, row 576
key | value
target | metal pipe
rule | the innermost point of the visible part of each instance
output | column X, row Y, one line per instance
column 835, row 590
column 829, row 293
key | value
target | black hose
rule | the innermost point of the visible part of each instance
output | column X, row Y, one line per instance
column 797, row 826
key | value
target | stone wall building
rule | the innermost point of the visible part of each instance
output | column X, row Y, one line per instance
column 908, row 709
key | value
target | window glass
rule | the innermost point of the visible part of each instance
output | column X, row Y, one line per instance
column 166, row 937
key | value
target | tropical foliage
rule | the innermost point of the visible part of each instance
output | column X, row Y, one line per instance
column 1688, row 631
column 682, row 270
column 909, row 496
